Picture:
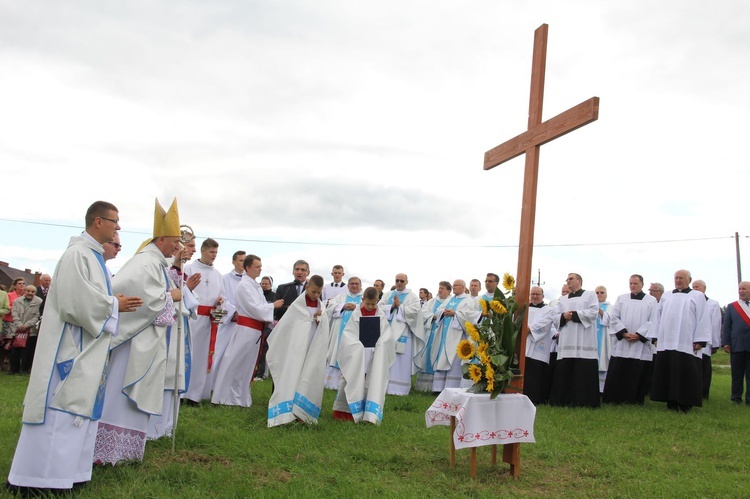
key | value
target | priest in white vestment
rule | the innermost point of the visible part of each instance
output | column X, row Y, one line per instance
column 576, row 374
column 296, row 358
column 423, row 361
column 684, row 329
column 365, row 368
column 235, row 372
column 229, row 283
column 135, row 388
column 401, row 307
column 204, row 330
column 452, row 319
column 162, row 425
column 603, row 341
column 714, row 313
column 336, row 315
column 66, row 388
column 631, row 318
column 536, row 382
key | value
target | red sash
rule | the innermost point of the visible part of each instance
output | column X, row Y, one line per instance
column 258, row 326
column 250, row 322
column 206, row 311
column 741, row 312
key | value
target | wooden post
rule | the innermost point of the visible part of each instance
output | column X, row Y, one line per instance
column 529, row 143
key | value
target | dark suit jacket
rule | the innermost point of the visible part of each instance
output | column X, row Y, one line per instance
column 735, row 332
column 288, row 293
column 40, row 294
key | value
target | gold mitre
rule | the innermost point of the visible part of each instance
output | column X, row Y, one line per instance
column 166, row 223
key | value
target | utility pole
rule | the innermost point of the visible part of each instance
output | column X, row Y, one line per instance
column 737, row 248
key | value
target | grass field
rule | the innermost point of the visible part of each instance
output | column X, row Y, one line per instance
column 613, row 451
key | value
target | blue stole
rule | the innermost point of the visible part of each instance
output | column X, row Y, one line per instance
column 96, row 413
column 453, row 304
column 600, row 336
column 345, row 316
column 401, row 297
column 429, row 369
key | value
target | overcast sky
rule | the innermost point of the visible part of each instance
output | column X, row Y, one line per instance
column 354, row 133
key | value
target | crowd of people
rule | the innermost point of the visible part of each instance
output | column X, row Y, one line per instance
column 117, row 355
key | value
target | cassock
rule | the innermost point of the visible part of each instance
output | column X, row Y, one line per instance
column 576, row 377
column 536, row 378
column 232, row 385
column 714, row 314
column 297, row 361
column 424, row 363
column 66, row 387
column 450, row 331
column 406, row 322
column 683, row 320
column 365, row 371
column 162, row 425
column 335, row 319
column 628, row 377
column 138, row 362
column 202, row 329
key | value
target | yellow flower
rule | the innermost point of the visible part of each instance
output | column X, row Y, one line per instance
column 465, row 350
column 484, row 358
column 484, row 305
column 473, row 332
column 483, row 346
column 490, row 377
column 475, row 373
column 498, row 307
column 509, row 283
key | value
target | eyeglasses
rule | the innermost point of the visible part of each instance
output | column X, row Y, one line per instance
column 490, row 280
column 116, row 222
column 116, row 245
column 400, row 280
column 601, row 292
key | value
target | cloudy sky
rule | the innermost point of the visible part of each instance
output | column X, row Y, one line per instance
column 354, row 132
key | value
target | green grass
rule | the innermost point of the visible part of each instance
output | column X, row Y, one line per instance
column 610, row 452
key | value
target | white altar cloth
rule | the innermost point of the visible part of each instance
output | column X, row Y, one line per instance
column 507, row 419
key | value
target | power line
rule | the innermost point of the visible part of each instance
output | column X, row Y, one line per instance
column 369, row 245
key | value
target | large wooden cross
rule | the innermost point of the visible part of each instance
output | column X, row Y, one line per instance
column 529, row 142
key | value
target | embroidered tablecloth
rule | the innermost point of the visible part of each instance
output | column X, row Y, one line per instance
column 507, row 419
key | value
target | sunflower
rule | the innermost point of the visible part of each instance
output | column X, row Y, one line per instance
column 509, row 283
column 485, row 359
column 482, row 349
column 465, row 350
column 485, row 306
column 498, row 307
column 473, row 332
column 475, row 373
column 490, row 376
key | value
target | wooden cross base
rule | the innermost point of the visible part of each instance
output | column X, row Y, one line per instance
column 511, row 454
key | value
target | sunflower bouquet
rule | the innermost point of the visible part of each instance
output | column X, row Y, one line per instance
column 490, row 349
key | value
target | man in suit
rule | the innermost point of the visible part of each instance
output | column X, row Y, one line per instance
column 291, row 290
column 735, row 339
column 43, row 289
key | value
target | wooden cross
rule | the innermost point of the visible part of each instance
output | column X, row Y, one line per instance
column 529, row 142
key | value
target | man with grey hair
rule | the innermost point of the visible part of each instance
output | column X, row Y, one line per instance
column 603, row 341
column 684, row 329
column 404, row 313
column 575, row 382
column 714, row 312
column 656, row 289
